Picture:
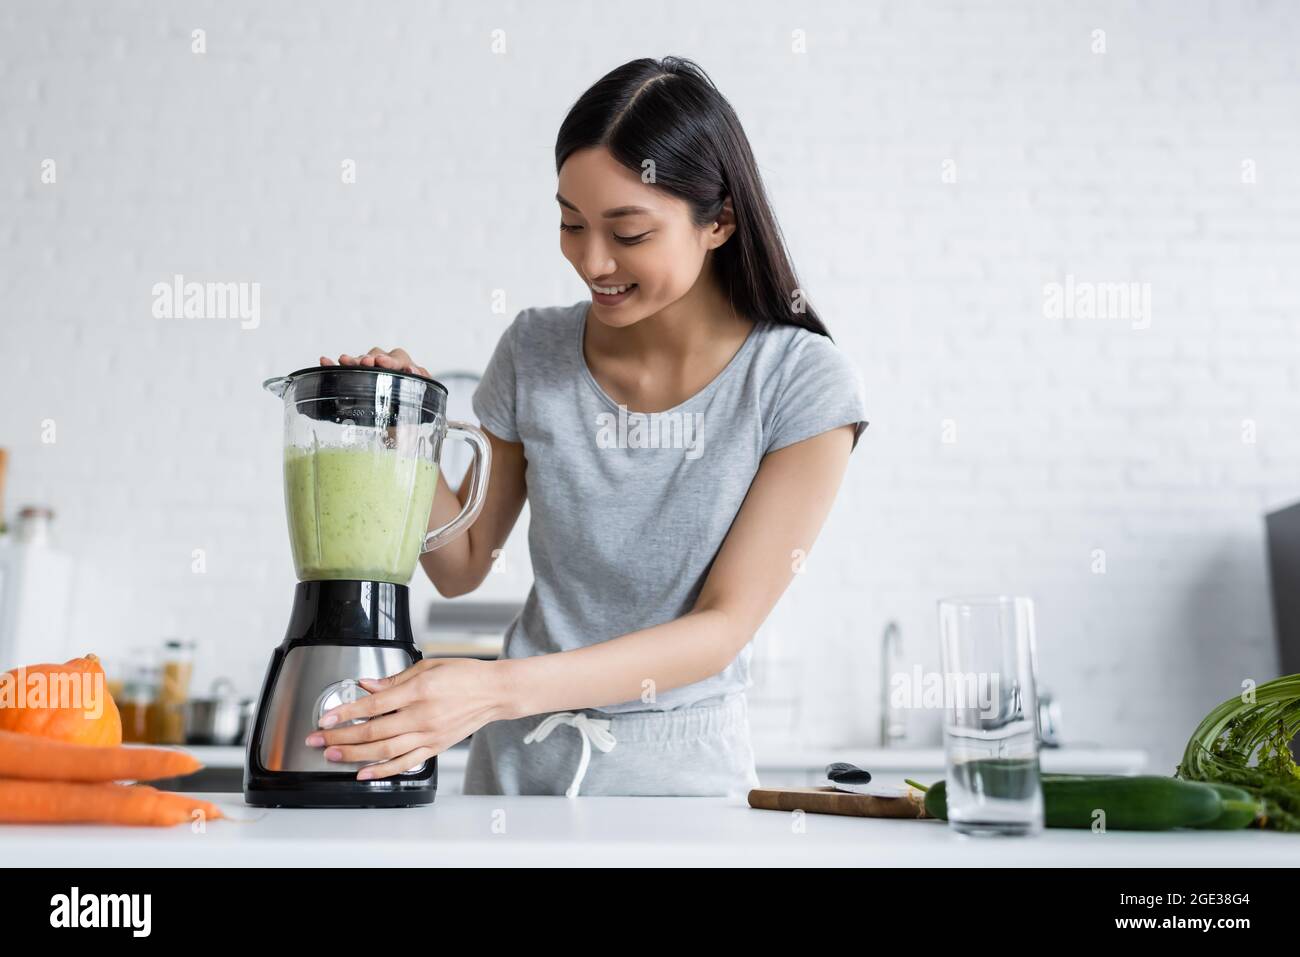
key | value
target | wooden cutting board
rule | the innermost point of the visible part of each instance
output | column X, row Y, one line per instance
column 827, row 800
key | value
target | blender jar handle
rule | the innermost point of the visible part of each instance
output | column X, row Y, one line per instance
column 480, row 468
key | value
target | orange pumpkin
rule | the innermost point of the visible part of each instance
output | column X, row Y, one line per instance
column 68, row 702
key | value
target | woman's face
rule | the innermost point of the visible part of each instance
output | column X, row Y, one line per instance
column 633, row 245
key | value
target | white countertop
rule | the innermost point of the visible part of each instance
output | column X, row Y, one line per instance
column 610, row 831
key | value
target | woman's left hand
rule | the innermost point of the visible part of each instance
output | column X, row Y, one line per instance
column 413, row 715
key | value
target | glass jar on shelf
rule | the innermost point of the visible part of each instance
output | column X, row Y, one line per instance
column 139, row 694
column 173, row 690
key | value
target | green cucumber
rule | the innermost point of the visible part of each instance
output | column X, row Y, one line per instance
column 1140, row 803
column 1240, row 808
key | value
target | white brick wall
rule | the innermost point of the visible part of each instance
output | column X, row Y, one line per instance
column 1071, row 435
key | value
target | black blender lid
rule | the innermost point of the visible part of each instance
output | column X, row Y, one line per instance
column 361, row 393
column 317, row 370
column 279, row 384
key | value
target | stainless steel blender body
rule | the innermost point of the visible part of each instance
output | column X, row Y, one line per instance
column 339, row 632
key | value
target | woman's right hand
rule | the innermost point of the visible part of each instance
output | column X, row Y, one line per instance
column 397, row 359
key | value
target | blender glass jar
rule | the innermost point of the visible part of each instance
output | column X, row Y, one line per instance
column 361, row 468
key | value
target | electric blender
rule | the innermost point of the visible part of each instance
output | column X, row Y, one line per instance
column 361, row 453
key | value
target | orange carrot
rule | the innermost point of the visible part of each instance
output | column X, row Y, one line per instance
column 51, row 802
column 31, row 758
column 187, row 801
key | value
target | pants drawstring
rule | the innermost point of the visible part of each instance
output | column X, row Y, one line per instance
column 593, row 731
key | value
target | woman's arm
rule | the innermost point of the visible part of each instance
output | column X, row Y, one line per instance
column 783, row 512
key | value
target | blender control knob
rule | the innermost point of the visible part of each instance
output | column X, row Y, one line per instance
column 340, row 693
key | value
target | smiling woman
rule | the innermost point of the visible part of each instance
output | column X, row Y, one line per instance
column 654, row 561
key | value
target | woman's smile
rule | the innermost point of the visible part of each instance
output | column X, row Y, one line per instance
column 612, row 295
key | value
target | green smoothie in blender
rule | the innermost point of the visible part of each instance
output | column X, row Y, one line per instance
column 357, row 513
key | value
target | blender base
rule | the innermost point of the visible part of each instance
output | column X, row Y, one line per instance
column 304, row 790
column 339, row 631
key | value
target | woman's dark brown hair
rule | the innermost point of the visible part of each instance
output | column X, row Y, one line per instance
column 669, row 112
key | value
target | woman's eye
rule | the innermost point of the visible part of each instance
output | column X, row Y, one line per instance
column 569, row 228
column 632, row 240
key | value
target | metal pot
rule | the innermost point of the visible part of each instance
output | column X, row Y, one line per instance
column 222, row 718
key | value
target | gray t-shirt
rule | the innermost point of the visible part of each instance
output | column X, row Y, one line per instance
column 628, row 510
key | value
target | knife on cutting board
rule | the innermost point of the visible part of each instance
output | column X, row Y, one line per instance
column 908, row 804
column 850, row 792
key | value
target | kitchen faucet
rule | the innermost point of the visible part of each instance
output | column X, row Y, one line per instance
column 892, row 727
